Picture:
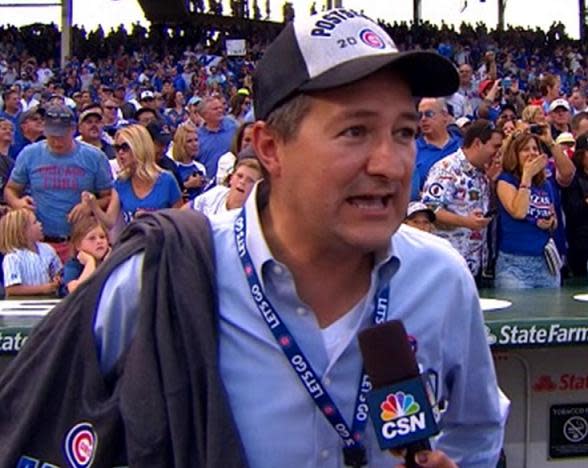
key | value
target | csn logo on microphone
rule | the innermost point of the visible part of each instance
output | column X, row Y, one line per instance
column 401, row 414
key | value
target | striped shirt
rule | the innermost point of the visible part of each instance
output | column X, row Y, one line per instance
column 26, row 267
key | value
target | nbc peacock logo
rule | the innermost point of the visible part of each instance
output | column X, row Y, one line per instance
column 401, row 415
column 397, row 405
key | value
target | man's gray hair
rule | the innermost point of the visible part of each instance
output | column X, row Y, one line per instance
column 285, row 119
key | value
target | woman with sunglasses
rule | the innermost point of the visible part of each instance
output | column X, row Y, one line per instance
column 141, row 184
column 526, row 215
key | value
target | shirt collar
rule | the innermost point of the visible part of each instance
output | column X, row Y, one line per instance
column 254, row 237
column 465, row 162
column 385, row 265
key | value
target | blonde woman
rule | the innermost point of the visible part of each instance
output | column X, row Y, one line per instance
column 534, row 115
column 184, row 151
column 141, row 184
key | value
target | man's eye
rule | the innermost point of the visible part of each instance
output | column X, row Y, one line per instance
column 355, row 132
column 406, row 134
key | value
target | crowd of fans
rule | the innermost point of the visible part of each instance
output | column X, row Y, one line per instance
column 166, row 114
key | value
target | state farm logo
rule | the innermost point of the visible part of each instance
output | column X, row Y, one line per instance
column 565, row 383
column 544, row 384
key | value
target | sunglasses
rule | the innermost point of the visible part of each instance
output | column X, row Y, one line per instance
column 110, row 107
column 429, row 114
column 124, row 147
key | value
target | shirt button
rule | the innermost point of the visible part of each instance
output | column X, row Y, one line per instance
column 278, row 270
column 325, row 454
column 301, row 311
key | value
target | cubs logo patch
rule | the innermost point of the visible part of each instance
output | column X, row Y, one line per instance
column 370, row 38
column 436, row 190
column 80, row 445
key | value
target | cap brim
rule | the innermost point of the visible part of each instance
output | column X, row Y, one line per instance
column 91, row 114
column 428, row 73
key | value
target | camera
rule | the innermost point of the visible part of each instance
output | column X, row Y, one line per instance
column 536, row 129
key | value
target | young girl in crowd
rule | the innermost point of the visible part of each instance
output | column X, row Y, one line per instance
column 89, row 241
column 31, row 267
column 222, row 198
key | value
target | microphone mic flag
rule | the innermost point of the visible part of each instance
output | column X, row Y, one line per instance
column 399, row 406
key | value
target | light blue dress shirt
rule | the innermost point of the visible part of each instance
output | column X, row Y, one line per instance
column 431, row 291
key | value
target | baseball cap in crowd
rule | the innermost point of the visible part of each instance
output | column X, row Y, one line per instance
column 194, row 100
column 94, row 110
column 565, row 138
column 143, row 110
column 463, row 121
column 484, row 86
column 59, row 119
column 338, row 47
column 559, row 103
column 582, row 142
column 30, row 113
column 146, row 95
column 415, row 207
column 159, row 132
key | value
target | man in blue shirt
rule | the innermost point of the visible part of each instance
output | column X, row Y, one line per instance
column 319, row 243
column 215, row 135
column 57, row 171
column 435, row 141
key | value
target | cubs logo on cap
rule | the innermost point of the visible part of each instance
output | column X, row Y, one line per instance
column 80, row 445
column 338, row 47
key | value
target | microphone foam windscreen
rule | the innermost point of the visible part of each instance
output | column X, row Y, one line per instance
column 387, row 354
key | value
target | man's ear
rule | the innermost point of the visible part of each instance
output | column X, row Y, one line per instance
column 266, row 145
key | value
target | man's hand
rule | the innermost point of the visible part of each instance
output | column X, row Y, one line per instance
column 26, row 202
column 476, row 221
column 77, row 212
column 435, row 459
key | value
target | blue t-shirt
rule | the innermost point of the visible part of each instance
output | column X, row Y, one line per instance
column 523, row 236
column 72, row 270
column 164, row 194
column 427, row 155
column 214, row 144
column 56, row 182
column 187, row 170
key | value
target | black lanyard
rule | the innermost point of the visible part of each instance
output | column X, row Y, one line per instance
column 354, row 451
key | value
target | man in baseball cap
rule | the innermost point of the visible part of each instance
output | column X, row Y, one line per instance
column 320, row 244
column 336, row 140
column 559, row 114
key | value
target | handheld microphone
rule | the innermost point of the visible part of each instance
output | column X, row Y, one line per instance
column 398, row 403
